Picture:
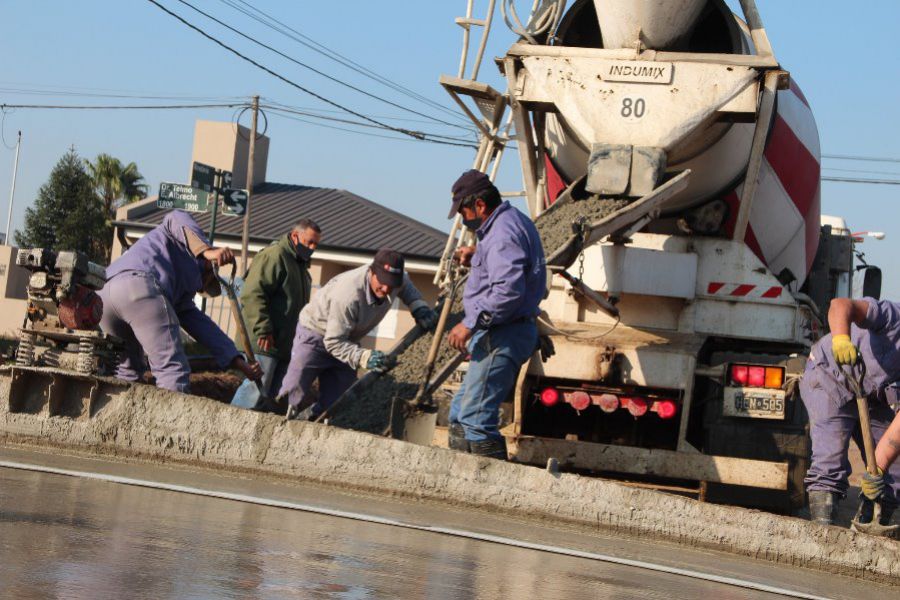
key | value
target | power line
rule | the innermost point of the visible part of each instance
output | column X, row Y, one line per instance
column 875, row 181
column 440, row 139
column 282, row 77
column 69, row 93
column 357, row 123
column 273, row 102
column 313, row 69
column 118, row 106
column 862, row 171
column 863, row 158
column 315, row 46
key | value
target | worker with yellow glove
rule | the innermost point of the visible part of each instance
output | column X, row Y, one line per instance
column 865, row 330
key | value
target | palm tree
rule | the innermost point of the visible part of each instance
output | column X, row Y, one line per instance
column 116, row 184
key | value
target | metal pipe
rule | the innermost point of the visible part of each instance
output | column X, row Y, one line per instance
column 465, row 49
column 12, row 191
column 484, row 38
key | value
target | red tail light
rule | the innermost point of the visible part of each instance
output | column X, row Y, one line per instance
column 579, row 400
column 756, row 376
column 549, row 396
column 739, row 374
column 608, row 402
column 666, row 409
column 636, row 406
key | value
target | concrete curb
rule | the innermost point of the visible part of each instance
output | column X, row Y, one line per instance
column 140, row 421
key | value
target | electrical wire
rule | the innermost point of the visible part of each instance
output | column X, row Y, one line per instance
column 874, row 181
column 411, row 134
column 863, row 158
column 273, row 102
column 862, row 171
column 119, row 106
column 313, row 69
column 308, row 42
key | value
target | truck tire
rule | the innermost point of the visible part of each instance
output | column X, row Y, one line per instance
column 759, row 439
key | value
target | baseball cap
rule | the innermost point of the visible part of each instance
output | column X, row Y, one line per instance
column 388, row 267
column 470, row 183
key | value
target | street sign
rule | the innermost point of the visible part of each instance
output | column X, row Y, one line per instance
column 234, row 202
column 226, row 180
column 203, row 177
column 184, row 197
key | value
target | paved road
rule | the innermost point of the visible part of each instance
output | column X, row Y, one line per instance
column 71, row 537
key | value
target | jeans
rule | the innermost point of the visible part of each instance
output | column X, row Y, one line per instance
column 273, row 373
column 497, row 355
column 136, row 310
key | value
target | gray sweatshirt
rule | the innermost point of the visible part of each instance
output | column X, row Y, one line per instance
column 345, row 310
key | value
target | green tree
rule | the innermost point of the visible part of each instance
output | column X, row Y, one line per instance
column 116, row 184
column 67, row 214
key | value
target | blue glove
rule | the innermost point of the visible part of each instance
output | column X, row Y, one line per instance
column 425, row 318
column 380, row 362
column 873, row 485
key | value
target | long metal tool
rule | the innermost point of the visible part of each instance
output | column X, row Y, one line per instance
column 868, row 515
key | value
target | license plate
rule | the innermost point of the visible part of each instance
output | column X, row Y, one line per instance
column 756, row 403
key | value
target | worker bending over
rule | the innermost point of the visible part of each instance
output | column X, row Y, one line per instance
column 866, row 330
column 326, row 344
column 506, row 284
column 149, row 297
column 276, row 288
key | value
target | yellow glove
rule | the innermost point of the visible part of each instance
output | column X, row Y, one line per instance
column 845, row 353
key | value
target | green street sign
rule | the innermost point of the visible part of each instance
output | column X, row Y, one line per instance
column 184, row 197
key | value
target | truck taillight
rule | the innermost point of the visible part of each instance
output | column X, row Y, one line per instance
column 636, row 406
column 739, row 374
column 666, row 409
column 774, row 377
column 608, row 403
column 578, row 400
column 756, row 376
column 549, row 396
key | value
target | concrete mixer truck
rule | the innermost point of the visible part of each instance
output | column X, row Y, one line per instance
column 682, row 318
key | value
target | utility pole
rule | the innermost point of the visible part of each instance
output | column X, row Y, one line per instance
column 245, row 238
column 12, row 192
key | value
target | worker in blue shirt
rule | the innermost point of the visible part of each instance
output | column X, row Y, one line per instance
column 866, row 330
column 506, row 284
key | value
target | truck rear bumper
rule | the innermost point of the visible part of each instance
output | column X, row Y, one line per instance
column 643, row 461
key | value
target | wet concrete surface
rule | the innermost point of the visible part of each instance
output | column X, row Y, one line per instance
column 77, row 538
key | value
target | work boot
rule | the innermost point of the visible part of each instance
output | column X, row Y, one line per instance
column 822, row 507
column 491, row 447
column 456, row 439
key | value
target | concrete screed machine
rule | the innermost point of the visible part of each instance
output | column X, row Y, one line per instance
column 681, row 321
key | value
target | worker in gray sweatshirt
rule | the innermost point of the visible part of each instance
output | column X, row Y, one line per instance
column 326, row 344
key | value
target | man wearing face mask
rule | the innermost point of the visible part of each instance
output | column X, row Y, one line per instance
column 326, row 344
column 276, row 288
column 505, row 286
column 149, row 297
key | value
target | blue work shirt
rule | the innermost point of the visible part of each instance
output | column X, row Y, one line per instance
column 878, row 341
column 170, row 253
column 508, row 276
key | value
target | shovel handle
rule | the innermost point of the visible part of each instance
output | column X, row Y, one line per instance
column 865, row 425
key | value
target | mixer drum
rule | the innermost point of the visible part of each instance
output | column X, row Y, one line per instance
column 784, row 220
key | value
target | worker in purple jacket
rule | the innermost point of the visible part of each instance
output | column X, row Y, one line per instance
column 149, row 297
column 867, row 330
column 506, row 284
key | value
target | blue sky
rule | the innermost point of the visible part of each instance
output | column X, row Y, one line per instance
column 843, row 55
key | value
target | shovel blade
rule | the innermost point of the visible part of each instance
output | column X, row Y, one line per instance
column 868, row 520
column 414, row 424
column 247, row 395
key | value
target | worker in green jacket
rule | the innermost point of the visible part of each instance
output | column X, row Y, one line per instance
column 277, row 286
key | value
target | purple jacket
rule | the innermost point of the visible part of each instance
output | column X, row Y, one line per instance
column 878, row 340
column 508, row 276
column 165, row 253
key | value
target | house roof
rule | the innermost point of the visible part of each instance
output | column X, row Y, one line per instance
column 349, row 222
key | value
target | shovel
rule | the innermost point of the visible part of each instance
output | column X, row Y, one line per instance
column 868, row 515
column 248, row 395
